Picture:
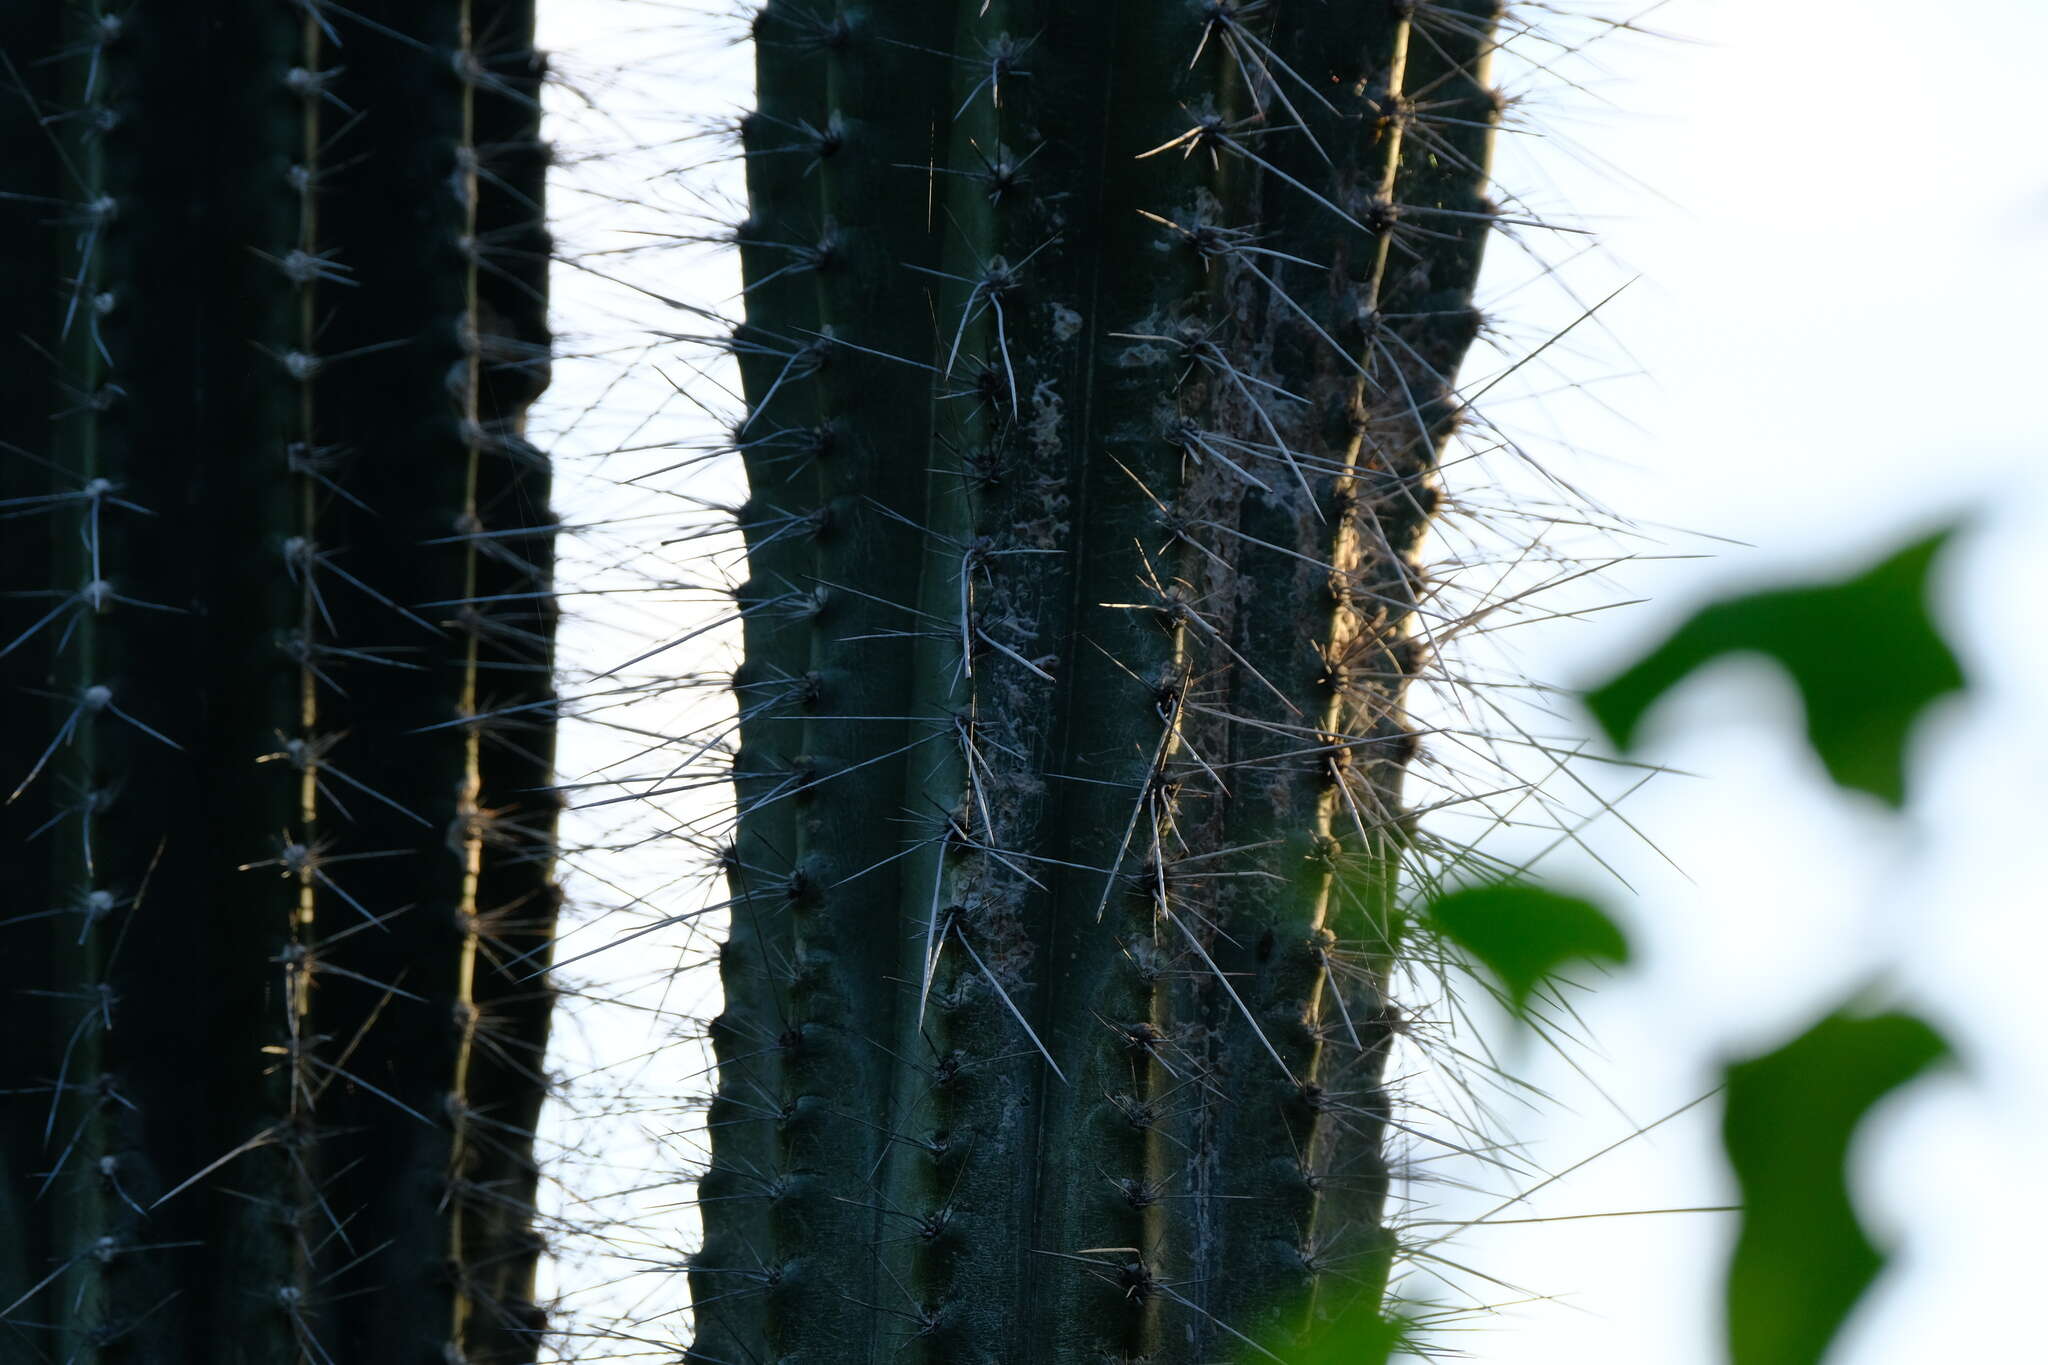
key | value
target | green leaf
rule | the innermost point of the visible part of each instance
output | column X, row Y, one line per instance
column 1357, row 1339
column 1523, row 934
column 1801, row 1259
column 1864, row 652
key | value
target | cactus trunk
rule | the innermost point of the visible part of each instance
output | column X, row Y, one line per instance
column 251, row 419
column 1098, row 359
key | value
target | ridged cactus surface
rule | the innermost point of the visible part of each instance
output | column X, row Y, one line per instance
column 1098, row 362
column 277, row 573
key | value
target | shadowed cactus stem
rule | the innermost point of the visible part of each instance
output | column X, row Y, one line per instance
column 276, row 303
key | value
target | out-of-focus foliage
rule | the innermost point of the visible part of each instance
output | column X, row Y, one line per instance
column 1802, row 1259
column 1522, row 935
column 1868, row 659
column 1863, row 651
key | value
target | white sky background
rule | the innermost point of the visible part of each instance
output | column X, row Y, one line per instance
column 1841, row 234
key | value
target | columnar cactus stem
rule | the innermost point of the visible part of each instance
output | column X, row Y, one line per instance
column 160, row 796
column 1137, row 358
column 242, row 441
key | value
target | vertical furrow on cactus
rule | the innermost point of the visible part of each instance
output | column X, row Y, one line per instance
column 1302, row 304
column 874, row 387
column 1016, row 321
column 517, row 898
column 1107, row 937
column 292, row 1057
column 399, row 393
column 293, row 1077
column 782, row 445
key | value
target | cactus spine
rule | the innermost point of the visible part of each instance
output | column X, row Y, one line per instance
column 1098, row 361
column 271, row 1075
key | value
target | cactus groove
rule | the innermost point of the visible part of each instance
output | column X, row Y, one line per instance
column 1098, row 359
column 277, row 569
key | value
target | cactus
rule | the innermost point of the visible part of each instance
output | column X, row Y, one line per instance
column 278, row 611
column 1098, row 361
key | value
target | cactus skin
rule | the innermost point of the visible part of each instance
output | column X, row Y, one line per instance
column 785, row 446
column 33, row 246
column 246, row 424
column 1082, row 604
column 517, row 899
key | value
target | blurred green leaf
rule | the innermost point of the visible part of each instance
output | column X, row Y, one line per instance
column 1523, row 934
column 1356, row 1339
column 1864, row 652
column 1801, row 1259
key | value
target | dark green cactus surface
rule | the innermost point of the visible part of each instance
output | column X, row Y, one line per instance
column 1098, row 359
column 275, row 568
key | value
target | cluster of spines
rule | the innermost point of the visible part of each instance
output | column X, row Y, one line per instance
column 1088, row 483
column 253, row 415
